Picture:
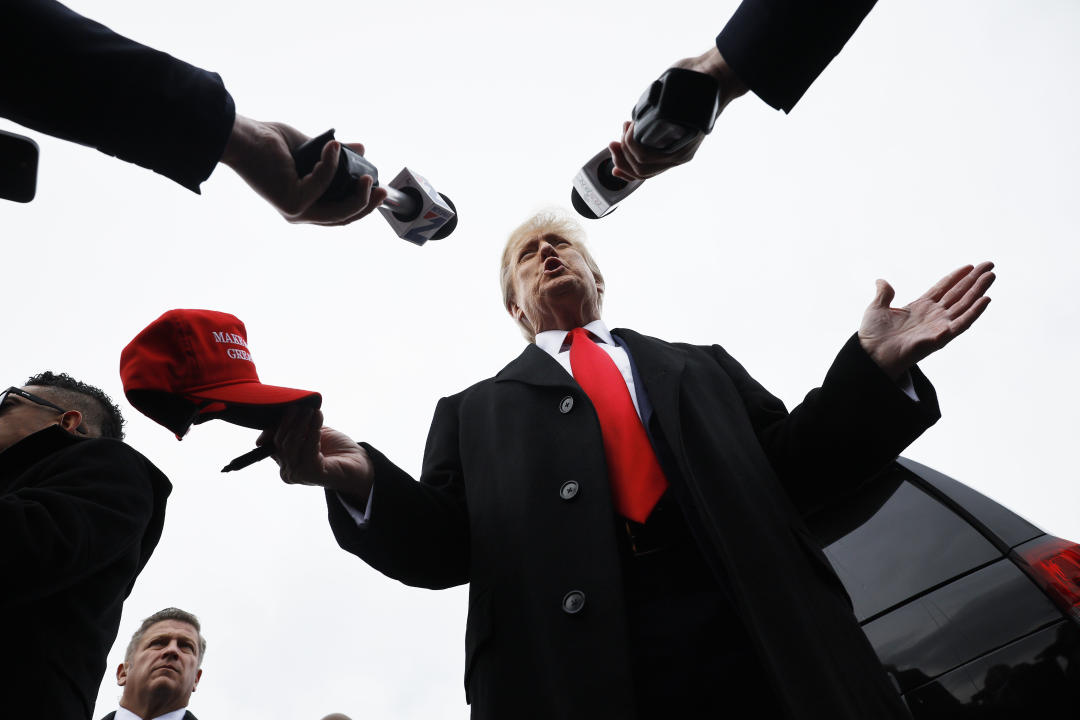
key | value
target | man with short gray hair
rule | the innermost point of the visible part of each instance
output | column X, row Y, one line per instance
column 162, row 667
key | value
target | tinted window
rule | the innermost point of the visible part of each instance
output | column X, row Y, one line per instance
column 891, row 541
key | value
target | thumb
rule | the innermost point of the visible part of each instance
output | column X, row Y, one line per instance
column 318, row 180
column 884, row 296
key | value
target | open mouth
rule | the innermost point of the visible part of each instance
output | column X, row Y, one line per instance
column 552, row 264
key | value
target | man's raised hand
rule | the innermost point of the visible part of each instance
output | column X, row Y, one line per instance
column 261, row 153
column 897, row 338
column 634, row 161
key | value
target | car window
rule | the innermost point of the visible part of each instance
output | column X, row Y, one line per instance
column 891, row 541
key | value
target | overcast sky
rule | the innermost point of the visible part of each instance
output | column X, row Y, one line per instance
column 944, row 134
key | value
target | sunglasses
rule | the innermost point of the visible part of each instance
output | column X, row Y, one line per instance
column 19, row 392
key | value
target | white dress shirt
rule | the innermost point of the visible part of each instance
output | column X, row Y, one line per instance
column 551, row 342
column 125, row 714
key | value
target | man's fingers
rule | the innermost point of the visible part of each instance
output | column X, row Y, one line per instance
column 293, row 442
column 364, row 199
column 972, row 314
column 376, row 198
column 943, row 285
column 309, row 439
column 624, row 170
column 964, row 284
column 977, row 290
column 311, row 187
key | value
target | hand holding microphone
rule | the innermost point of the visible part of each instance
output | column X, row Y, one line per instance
column 410, row 204
column 668, row 124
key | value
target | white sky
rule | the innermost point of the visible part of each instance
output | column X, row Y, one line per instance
column 944, row 134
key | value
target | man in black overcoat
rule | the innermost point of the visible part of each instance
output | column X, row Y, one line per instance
column 578, row 612
column 80, row 515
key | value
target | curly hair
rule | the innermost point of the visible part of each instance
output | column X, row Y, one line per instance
column 100, row 414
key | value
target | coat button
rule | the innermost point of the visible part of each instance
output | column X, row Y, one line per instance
column 569, row 490
column 566, row 405
column 573, row 602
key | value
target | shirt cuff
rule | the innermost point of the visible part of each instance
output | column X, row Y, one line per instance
column 361, row 517
column 906, row 384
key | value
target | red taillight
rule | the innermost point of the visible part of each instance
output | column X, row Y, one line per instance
column 1055, row 565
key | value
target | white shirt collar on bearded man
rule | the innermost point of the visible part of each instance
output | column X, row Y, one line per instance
column 551, row 341
column 123, row 713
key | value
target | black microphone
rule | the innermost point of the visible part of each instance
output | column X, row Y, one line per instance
column 18, row 167
column 413, row 208
column 680, row 106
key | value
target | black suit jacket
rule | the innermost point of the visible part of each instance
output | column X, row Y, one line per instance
column 779, row 47
column 79, row 519
column 68, row 76
column 187, row 716
column 488, row 510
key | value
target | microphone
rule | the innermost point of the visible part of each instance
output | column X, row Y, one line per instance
column 18, row 167
column 413, row 208
column 679, row 106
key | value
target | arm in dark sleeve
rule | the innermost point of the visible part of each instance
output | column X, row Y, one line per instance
column 93, row 506
column 842, row 432
column 418, row 532
column 777, row 48
column 68, row 76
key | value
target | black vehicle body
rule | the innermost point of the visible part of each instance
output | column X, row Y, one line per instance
column 973, row 611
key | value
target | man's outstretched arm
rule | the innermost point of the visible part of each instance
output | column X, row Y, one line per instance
column 773, row 48
column 70, row 77
column 417, row 532
column 859, row 418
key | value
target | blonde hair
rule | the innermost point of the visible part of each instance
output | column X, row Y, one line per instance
column 546, row 222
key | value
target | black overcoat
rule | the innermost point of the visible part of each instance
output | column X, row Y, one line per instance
column 187, row 716
column 490, row 510
column 73, row 78
column 79, row 519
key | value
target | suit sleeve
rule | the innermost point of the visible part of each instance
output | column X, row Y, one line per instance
column 70, row 77
column 779, row 47
column 418, row 532
column 843, row 432
column 93, row 507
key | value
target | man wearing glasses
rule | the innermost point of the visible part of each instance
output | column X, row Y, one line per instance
column 80, row 514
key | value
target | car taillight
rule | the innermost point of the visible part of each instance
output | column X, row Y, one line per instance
column 1054, row 564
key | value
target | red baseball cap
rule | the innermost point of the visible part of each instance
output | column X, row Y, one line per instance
column 190, row 366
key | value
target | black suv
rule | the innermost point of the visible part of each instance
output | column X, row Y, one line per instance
column 974, row 612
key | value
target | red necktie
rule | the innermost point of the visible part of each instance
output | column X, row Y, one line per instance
column 637, row 482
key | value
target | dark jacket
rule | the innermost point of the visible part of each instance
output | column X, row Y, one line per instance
column 187, row 716
column 488, row 510
column 79, row 519
column 779, row 47
column 68, row 76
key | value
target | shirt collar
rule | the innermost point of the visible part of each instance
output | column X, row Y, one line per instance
column 122, row 713
column 551, row 341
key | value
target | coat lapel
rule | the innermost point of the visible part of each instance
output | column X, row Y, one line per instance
column 535, row 367
column 657, row 366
